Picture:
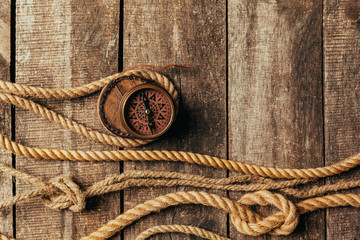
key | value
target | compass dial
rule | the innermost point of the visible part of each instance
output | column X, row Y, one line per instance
column 148, row 111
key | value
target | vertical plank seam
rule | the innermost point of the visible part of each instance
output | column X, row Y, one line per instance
column 12, row 111
column 120, row 68
column 323, row 102
column 227, row 105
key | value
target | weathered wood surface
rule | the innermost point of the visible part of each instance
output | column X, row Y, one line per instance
column 274, row 83
column 6, row 185
column 192, row 34
column 342, row 102
column 61, row 45
column 275, row 90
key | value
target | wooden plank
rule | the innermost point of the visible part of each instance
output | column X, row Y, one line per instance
column 6, row 186
column 275, row 91
column 163, row 32
column 61, row 45
column 342, row 111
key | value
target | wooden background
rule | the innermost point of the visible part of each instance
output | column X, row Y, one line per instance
column 273, row 82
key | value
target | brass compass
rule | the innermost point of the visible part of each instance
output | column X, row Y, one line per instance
column 132, row 106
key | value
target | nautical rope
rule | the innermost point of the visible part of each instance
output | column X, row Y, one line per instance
column 180, row 229
column 179, row 156
column 245, row 221
column 57, row 195
column 38, row 92
column 62, row 193
column 70, row 124
column 87, row 89
column 131, row 155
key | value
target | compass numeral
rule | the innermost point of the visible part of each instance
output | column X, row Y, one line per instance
column 161, row 105
column 161, row 117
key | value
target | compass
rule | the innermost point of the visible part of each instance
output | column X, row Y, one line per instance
column 135, row 107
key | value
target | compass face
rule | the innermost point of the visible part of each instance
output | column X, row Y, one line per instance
column 148, row 111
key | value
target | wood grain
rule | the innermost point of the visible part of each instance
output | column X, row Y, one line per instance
column 275, row 91
column 265, row 103
column 6, row 186
column 342, row 105
column 62, row 44
column 191, row 33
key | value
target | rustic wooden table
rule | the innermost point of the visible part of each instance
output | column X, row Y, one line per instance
column 272, row 82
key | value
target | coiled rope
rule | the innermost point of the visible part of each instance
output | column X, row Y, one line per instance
column 61, row 192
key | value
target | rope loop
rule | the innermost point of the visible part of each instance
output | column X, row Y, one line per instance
column 67, row 195
column 282, row 223
column 63, row 193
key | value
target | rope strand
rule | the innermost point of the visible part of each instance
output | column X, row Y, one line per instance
column 180, row 229
column 62, row 193
column 130, row 155
column 55, row 197
column 245, row 221
column 87, row 89
column 179, row 156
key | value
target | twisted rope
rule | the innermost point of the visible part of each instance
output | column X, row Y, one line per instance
column 244, row 220
column 179, row 156
column 179, row 229
column 131, row 155
column 79, row 92
column 87, row 89
column 61, row 192
column 3, row 237
column 70, row 124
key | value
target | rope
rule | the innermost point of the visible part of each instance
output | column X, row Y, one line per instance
column 3, row 237
column 131, row 155
column 179, row 156
column 245, row 221
column 70, row 124
column 62, row 193
column 81, row 91
column 180, row 229
column 87, row 89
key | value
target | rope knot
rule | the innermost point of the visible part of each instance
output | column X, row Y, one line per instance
column 66, row 194
column 281, row 223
